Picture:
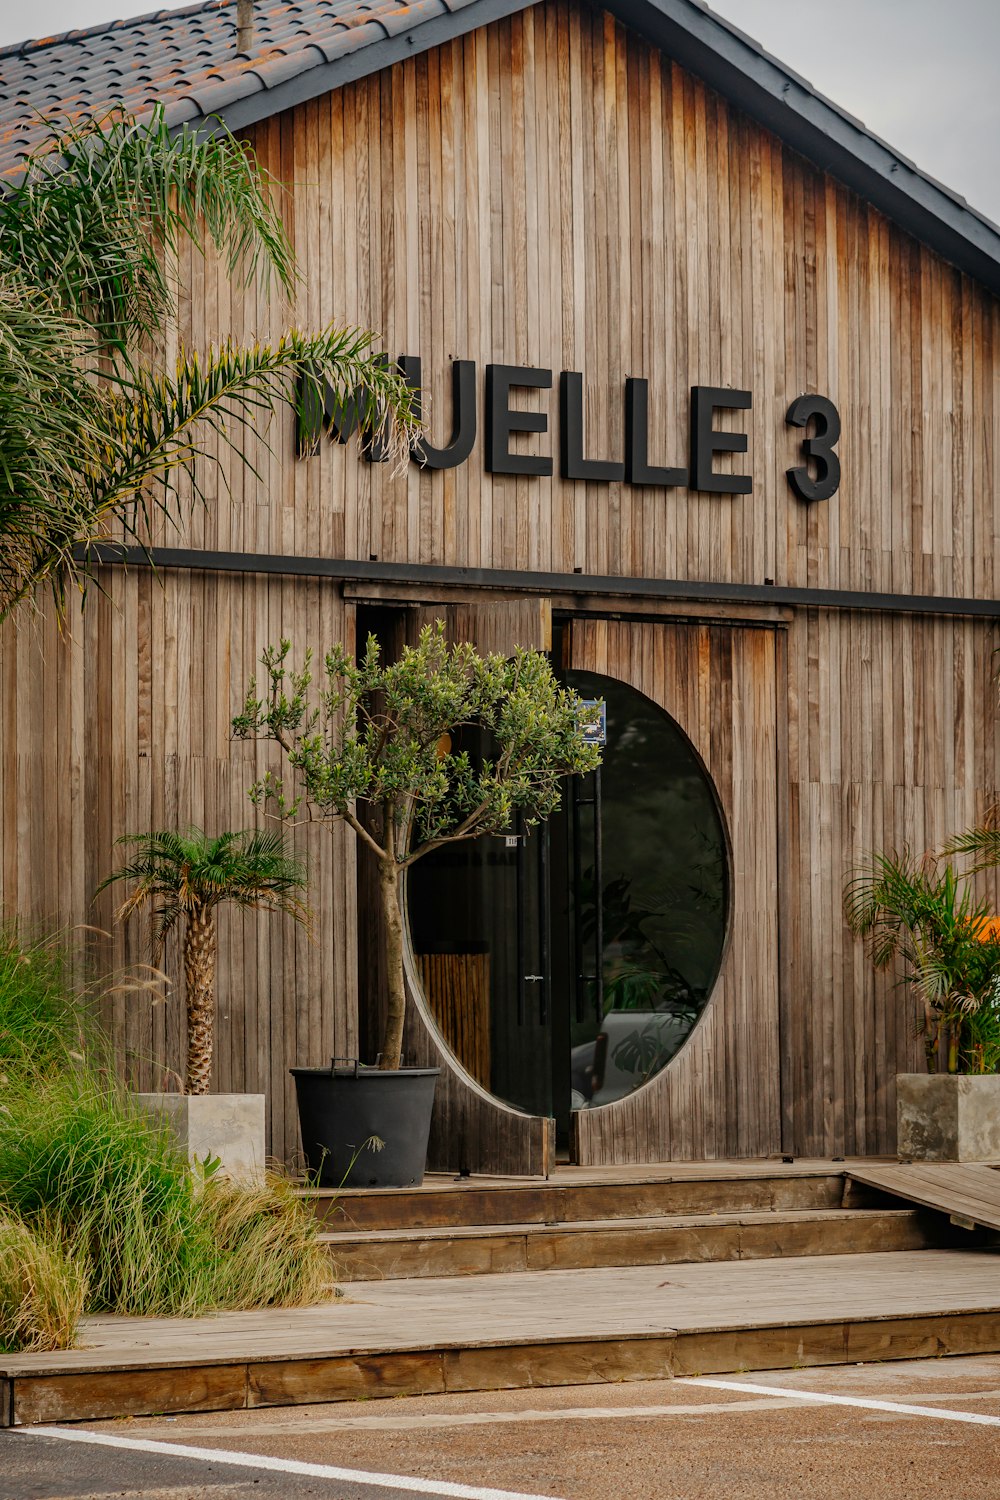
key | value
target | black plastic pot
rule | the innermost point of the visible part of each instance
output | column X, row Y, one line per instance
column 340, row 1108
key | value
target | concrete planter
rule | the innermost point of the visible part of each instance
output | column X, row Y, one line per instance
column 948, row 1117
column 229, row 1126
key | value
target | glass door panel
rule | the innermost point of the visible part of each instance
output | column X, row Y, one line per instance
column 485, row 905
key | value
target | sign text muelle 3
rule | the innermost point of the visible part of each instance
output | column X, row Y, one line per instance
column 507, row 415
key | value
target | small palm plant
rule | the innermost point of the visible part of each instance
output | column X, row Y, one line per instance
column 189, row 875
column 920, row 912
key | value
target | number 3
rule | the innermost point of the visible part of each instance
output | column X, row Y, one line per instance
column 819, row 447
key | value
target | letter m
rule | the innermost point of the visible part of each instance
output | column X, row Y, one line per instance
column 319, row 406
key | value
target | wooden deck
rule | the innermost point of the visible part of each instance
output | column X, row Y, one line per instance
column 539, row 1328
column 969, row 1192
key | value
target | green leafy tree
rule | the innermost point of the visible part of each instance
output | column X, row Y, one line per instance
column 189, row 875
column 921, row 914
column 89, row 417
column 388, row 734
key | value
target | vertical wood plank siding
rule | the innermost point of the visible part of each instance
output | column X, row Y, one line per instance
column 121, row 726
column 550, row 191
column 720, row 1095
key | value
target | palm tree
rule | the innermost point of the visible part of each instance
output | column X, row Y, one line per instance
column 89, row 417
column 189, row 875
column 921, row 913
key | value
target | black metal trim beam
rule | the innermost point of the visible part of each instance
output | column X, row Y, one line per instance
column 526, row 582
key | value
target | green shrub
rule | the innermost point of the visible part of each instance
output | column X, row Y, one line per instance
column 151, row 1239
column 79, row 1155
column 102, row 1189
column 42, row 1290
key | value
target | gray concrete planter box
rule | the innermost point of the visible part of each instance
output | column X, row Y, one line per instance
column 948, row 1117
column 229, row 1126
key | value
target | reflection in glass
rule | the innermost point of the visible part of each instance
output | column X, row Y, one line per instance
column 566, row 967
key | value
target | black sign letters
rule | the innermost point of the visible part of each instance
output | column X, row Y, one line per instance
column 509, row 416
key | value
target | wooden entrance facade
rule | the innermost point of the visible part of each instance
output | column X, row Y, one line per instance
column 552, row 190
column 720, row 1095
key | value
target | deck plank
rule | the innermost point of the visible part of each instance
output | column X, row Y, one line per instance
column 546, row 1306
column 539, row 1328
column 970, row 1189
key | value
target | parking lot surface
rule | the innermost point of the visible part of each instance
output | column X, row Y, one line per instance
column 749, row 1436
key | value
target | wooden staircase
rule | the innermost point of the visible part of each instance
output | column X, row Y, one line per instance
column 624, row 1217
column 773, row 1265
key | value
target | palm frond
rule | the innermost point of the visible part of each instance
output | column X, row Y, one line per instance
column 142, row 427
column 90, row 443
column 983, row 843
column 104, row 203
column 51, row 419
column 175, row 873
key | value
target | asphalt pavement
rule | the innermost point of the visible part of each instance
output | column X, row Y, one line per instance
column 900, row 1431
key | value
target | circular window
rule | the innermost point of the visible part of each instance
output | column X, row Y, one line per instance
column 567, row 964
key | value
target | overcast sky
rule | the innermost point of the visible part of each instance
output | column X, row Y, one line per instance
column 923, row 74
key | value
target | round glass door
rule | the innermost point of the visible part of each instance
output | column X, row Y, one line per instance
column 565, row 966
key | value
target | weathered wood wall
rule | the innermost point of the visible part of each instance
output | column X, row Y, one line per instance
column 123, row 725
column 550, row 191
column 720, row 1096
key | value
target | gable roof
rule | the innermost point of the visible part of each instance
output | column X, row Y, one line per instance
column 186, row 60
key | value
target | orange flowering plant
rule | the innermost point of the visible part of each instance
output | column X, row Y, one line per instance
column 920, row 914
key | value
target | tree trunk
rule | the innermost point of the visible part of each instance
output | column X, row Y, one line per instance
column 392, row 1038
column 199, row 983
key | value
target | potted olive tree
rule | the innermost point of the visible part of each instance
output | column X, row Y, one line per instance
column 390, row 735
column 185, row 877
column 922, row 916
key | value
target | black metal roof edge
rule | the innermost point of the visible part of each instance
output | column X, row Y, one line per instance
column 834, row 140
column 527, row 581
column 731, row 62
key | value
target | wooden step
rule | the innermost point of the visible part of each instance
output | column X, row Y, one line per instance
column 432, row 1335
column 577, row 1196
column 682, row 1238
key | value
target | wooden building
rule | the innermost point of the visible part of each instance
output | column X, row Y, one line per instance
column 634, row 225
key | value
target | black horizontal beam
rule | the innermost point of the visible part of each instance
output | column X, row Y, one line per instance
column 509, row 580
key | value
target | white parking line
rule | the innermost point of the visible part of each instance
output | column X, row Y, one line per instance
column 280, row 1465
column 900, row 1408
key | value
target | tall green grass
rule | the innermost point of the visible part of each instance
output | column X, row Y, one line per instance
column 89, row 1173
column 42, row 1290
column 43, row 1013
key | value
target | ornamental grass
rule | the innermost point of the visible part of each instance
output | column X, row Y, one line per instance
column 42, row 1290
column 100, row 1186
